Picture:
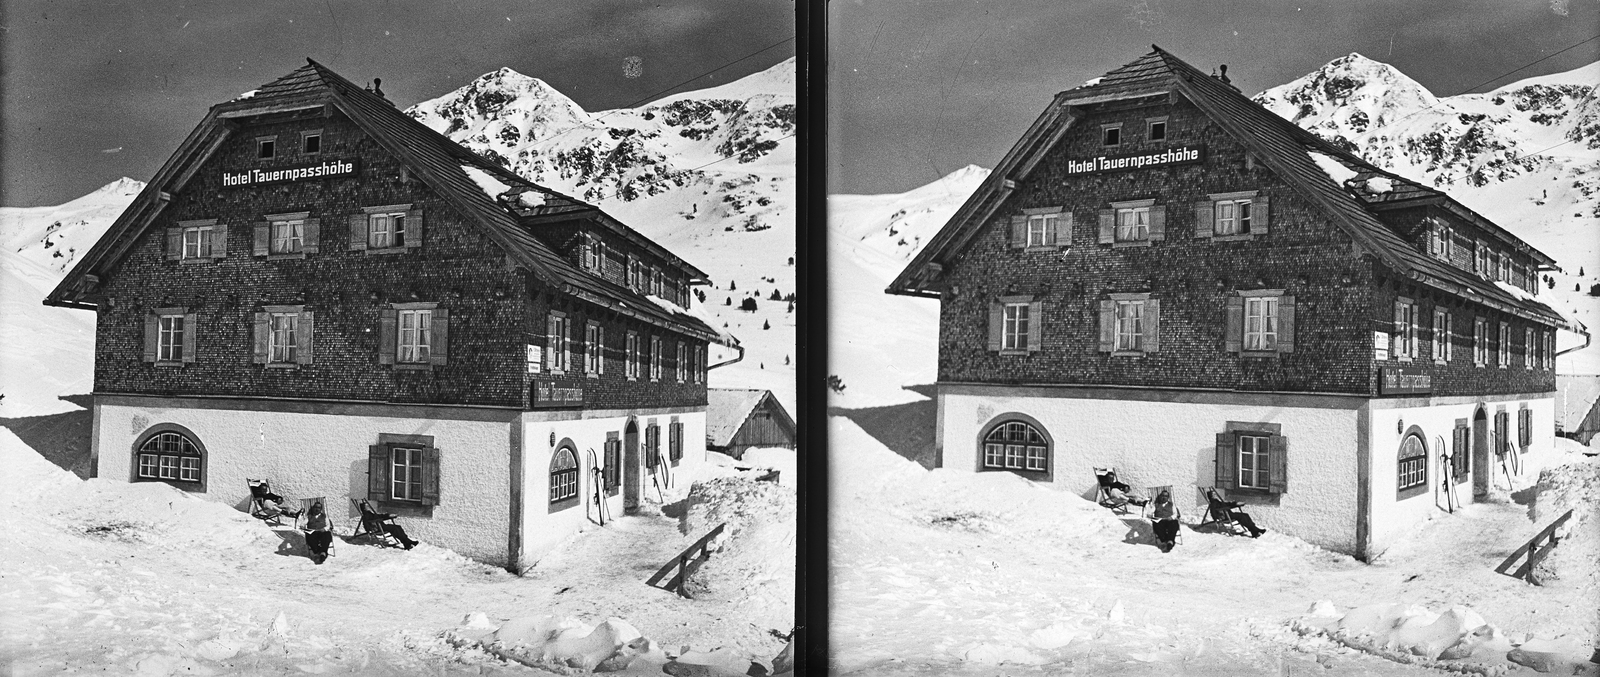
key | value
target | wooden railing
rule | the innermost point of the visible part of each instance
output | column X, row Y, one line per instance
column 685, row 563
column 1536, row 549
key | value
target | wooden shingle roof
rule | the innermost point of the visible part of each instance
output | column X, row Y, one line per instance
column 728, row 408
column 439, row 162
column 1282, row 146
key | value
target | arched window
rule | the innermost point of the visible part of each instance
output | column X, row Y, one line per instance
column 170, row 456
column 564, row 474
column 1016, row 445
column 1412, row 470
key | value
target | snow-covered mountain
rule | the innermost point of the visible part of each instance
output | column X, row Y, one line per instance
column 708, row 174
column 48, row 352
column 881, row 343
column 1526, row 155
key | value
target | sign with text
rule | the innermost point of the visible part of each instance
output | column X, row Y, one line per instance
column 328, row 169
column 550, row 392
column 1111, row 163
column 1404, row 381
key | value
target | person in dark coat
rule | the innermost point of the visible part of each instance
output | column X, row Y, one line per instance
column 1242, row 518
column 1164, row 518
column 318, row 535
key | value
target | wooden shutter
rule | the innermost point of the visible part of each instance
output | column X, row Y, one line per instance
column 414, row 228
column 310, row 236
column 1227, row 475
column 1285, row 324
column 1019, row 231
column 388, row 329
column 1035, row 323
column 1458, row 451
column 1278, row 463
column 189, row 332
column 152, row 336
column 1108, row 325
column 1062, row 236
column 219, row 241
column 1108, row 226
column 1233, row 321
column 1205, row 214
column 302, row 337
column 1152, row 325
column 358, row 231
column 377, row 472
column 263, row 327
column 996, row 325
column 1158, row 222
column 430, row 476
column 263, row 235
column 439, row 350
column 174, row 244
column 1259, row 215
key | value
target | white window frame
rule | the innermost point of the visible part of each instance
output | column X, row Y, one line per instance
column 1405, row 341
column 1134, row 231
column 1039, row 228
column 631, row 356
column 286, row 236
column 681, row 366
column 1150, row 129
column 414, row 344
column 405, row 473
column 1232, row 217
column 1263, row 311
column 1128, row 330
column 169, row 455
column 282, row 343
column 594, row 337
column 264, row 142
column 1258, row 475
column 169, row 337
column 307, row 136
column 1480, row 341
column 560, row 343
column 386, row 230
column 1527, row 347
column 655, row 358
column 197, row 239
column 1105, row 131
column 1411, row 469
column 1503, row 350
column 1443, row 343
column 1015, row 320
column 1009, row 446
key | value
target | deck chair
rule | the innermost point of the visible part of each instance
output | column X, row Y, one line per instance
column 370, row 522
column 1219, row 513
column 260, row 495
column 305, row 508
column 1105, row 478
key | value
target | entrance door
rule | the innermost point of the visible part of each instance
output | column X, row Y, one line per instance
column 630, row 467
column 1480, row 455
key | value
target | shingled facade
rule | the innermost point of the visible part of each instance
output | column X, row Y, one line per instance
column 319, row 290
column 1165, row 277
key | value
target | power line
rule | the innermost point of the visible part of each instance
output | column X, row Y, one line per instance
column 1497, row 77
column 708, row 164
column 1541, row 152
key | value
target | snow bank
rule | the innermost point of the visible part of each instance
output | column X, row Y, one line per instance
column 782, row 460
column 1573, row 485
column 490, row 186
column 1456, row 640
column 1333, row 168
column 613, row 646
column 752, row 563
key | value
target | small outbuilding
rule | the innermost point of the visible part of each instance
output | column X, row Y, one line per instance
column 740, row 418
column 1578, row 407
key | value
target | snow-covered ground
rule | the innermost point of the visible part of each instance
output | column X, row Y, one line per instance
column 947, row 572
column 110, row 577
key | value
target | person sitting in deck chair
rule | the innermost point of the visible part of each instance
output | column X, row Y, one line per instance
column 1164, row 518
column 261, row 491
column 1239, row 516
column 379, row 523
column 318, row 534
column 1117, row 493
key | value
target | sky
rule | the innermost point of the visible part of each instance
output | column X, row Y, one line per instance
column 94, row 91
column 920, row 88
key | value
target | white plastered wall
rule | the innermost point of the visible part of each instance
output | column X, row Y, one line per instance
column 1157, row 443
column 544, row 529
column 309, row 455
column 1394, row 517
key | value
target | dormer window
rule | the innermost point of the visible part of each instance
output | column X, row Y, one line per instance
column 1439, row 246
column 266, row 147
column 593, row 253
column 1111, row 135
column 633, row 272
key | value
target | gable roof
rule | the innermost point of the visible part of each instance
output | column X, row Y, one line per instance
column 728, row 408
column 1285, row 148
column 440, row 163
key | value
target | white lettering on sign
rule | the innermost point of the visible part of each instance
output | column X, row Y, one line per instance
column 1104, row 163
column 324, row 170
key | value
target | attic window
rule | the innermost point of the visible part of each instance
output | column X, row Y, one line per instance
column 311, row 142
column 266, row 147
column 1111, row 135
column 1156, row 129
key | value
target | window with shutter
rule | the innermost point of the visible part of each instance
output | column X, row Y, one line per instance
column 612, row 475
column 404, row 470
column 1252, row 457
column 1017, row 323
column 1130, row 324
column 1460, row 455
column 383, row 229
column 173, row 338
